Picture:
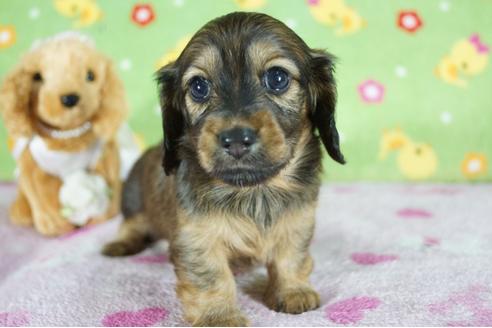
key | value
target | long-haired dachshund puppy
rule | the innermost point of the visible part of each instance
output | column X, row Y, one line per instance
column 241, row 107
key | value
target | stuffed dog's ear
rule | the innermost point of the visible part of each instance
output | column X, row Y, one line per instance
column 15, row 94
column 323, row 101
column 113, row 108
column 172, row 117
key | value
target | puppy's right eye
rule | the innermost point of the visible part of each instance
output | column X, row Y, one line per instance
column 37, row 77
column 276, row 80
column 199, row 89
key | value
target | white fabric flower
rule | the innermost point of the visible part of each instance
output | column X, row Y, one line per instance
column 83, row 196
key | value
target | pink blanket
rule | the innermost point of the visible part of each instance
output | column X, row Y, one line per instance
column 384, row 255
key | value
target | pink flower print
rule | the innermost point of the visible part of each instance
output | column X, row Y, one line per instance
column 142, row 14
column 474, row 300
column 414, row 213
column 409, row 21
column 143, row 318
column 150, row 259
column 371, row 91
column 431, row 241
column 371, row 258
column 351, row 310
column 14, row 319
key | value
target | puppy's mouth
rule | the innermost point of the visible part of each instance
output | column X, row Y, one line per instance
column 247, row 176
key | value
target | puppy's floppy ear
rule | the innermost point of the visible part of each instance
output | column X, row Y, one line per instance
column 323, row 101
column 15, row 94
column 172, row 117
column 113, row 108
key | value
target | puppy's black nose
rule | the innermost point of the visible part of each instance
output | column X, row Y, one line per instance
column 237, row 141
column 69, row 100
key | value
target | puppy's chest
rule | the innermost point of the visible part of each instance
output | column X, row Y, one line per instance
column 262, row 206
column 244, row 242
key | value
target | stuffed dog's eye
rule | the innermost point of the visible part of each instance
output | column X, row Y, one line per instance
column 199, row 89
column 90, row 76
column 37, row 77
column 276, row 79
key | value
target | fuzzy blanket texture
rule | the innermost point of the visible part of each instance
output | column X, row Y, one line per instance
column 385, row 254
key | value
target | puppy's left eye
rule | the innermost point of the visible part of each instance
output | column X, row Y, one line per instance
column 90, row 77
column 199, row 89
column 276, row 79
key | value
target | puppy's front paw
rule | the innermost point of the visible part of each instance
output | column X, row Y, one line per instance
column 233, row 319
column 293, row 300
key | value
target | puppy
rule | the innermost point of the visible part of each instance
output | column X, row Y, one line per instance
column 241, row 107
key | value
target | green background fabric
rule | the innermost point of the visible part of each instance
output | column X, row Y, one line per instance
column 453, row 121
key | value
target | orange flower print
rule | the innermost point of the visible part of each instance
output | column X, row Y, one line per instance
column 474, row 165
column 7, row 36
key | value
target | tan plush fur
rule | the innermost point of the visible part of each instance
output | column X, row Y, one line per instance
column 30, row 97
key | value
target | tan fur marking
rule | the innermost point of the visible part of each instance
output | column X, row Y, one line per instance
column 260, row 52
column 204, row 65
column 284, row 63
column 207, row 142
column 270, row 134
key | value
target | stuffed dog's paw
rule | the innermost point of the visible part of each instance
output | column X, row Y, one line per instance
column 20, row 212
column 52, row 227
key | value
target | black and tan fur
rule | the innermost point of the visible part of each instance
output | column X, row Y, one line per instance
column 217, row 211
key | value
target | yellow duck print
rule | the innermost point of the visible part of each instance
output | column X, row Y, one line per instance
column 250, row 4
column 87, row 12
column 335, row 13
column 174, row 53
column 416, row 161
column 467, row 57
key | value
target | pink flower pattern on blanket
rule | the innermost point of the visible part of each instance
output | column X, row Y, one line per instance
column 150, row 259
column 143, row 318
column 351, row 310
column 473, row 300
column 414, row 213
column 13, row 319
column 371, row 258
column 431, row 241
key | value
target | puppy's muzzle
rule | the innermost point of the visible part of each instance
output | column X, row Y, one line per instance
column 237, row 141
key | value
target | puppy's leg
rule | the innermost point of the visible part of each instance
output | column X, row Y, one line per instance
column 133, row 237
column 206, row 285
column 290, row 265
column 20, row 211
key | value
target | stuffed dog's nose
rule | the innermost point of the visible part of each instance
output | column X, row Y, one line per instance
column 69, row 100
column 237, row 141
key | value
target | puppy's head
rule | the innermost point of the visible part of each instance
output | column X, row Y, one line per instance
column 60, row 84
column 241, row 94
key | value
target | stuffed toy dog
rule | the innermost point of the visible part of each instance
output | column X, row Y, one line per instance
column 62, row 107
